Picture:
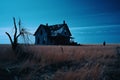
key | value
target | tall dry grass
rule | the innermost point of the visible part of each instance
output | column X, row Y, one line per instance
column 92, row 58
column 88, row 62
column 53, row 54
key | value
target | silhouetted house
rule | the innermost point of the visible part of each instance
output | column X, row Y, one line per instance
column 58, row 34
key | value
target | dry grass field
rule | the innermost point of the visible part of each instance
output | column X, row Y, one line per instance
column 87, row 62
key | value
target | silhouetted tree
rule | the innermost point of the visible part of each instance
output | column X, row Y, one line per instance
column 14, row 42
column 22, row 32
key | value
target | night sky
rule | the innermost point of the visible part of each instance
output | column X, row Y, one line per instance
column 90, row 21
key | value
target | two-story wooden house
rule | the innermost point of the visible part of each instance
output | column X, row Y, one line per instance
column 58, row 34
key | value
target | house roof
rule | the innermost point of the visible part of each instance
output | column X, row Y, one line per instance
column 44, row 26
column 53, row 30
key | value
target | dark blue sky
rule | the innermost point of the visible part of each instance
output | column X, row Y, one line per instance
column 79, row 15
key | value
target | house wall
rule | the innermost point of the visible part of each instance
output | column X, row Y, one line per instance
column 41, row 37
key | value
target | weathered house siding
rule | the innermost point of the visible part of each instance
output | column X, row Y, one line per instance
column 41, row 37
column 58, row 34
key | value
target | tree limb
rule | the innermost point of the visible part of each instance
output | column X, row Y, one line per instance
column 15, row 34
column 9, row 37
column 18, row 35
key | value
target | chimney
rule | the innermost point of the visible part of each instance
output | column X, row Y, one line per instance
column 46, row 24
column 64, row 22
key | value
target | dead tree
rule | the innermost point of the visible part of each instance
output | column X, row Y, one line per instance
column 22, row 32
column 14, row 42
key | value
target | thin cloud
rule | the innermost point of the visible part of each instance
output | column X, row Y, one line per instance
column 92, row 27
column 106, row 29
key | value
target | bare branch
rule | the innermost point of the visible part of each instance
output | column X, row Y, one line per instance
column 15, row 34
column 9, row 37
column 18, row 35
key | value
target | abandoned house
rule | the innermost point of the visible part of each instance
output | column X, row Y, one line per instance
column 58, row 34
